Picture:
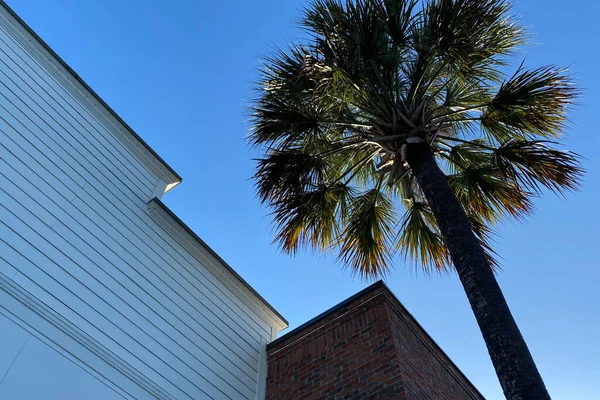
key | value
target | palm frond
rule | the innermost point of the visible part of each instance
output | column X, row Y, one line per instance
column 484, row 191
column 473, row 35
column 311, row 219
column 284, row 173
column 461, row 94
column 535, row 163
column 461, row 156
column 365, row 242
column 531, row 103
column 401, row 20
column 348, row 33
column 420, row 240
column 278, row 120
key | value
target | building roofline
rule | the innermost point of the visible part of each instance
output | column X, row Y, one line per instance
column 326, row 313
column 96, row 96
column 367, row 290
column 218, row 258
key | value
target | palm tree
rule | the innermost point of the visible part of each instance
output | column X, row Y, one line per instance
column 395, row 129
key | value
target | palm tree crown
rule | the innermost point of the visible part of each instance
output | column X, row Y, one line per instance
column 336, row 117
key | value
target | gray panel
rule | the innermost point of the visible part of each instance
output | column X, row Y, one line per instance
column 42, row 373
column 12, row 339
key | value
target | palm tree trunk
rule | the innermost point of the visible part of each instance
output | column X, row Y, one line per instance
column 512, row 360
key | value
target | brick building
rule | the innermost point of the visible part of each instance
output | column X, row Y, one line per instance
column 367, row 347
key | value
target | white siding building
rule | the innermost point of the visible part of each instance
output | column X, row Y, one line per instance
column 104, row 293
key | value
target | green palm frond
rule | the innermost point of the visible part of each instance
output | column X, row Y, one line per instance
column 481, row 184
column 401, row 19
column 420, row 240
column 535, row 163
column 483, row 191
column 365, row 242
column 459, row 94
column 311, row 219
column 464, row 155
column 351, row 34
column 530, row 103
column 335, row 117
column 287, row 173
column 473, row 35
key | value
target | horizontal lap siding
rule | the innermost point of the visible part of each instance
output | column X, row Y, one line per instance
column 29, row 76
column 76, row 233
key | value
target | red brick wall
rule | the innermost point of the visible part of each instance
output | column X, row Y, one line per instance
column 426, row 371
column 368, row 348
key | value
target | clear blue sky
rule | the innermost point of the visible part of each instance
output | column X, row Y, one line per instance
column 180, row 72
